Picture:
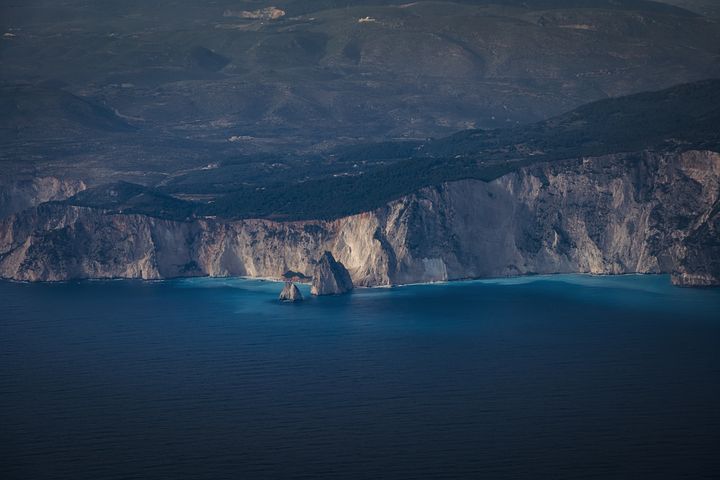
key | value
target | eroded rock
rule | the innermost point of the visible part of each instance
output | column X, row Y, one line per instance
column 330, row 277
column 642, row 212
column 291, row 293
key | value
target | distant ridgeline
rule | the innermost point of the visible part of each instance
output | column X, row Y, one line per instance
column 681, row 118
column 298, row 7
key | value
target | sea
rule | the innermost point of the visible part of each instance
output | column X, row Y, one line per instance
column 559, row 377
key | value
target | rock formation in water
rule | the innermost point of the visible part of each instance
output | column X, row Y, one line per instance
column 291, row 293
column 642, row 212
column 330, row 277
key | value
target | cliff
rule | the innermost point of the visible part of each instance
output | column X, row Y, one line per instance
column 639, row 212
column 20, row 194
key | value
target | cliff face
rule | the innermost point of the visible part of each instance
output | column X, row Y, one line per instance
column 16, row 196
column 611, row 215
column 647, row 213
column 330, row 277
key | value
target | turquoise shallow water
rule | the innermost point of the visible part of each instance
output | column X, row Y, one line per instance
column 533, row 377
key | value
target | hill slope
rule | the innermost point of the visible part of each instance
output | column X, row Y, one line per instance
column 685, row 117
column 318, row 76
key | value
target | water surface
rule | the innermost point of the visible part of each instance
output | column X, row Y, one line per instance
column 559, row 377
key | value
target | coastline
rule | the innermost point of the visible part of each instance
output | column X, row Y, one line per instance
column 509, row 280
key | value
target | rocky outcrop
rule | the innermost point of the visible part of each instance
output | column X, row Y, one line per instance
column 698, row 255
column 18, row 195
column 267, row 13
column 290, row 293
column 643, row 212
column 330, row 277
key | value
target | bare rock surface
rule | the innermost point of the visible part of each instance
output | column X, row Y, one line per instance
column 627, row 213
column 291, row 293
column 330, row 277
column 18, row 195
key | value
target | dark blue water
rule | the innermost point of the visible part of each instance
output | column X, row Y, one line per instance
column 549, row 377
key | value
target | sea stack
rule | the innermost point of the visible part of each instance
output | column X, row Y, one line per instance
column 291, row 293
column 330, row 277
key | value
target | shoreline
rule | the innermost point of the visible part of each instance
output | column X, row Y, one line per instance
column 511, row 279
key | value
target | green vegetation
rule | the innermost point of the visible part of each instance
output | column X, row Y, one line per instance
column 125, row 197
column 680, row 118
column 335, row 197
column 685, row 114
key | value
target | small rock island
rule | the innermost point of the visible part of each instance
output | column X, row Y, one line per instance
column 330, row 277
column 291, row 293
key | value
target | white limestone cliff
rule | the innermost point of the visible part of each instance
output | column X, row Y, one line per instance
column 645, row 213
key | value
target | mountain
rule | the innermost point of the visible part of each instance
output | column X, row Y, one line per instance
column 33, row 111
column 200, row 85
column 708, row 8
column 413, row 141
column 619, row 186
